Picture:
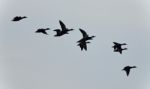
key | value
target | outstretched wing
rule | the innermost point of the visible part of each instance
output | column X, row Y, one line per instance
column 85, row 46
column 116, row 43
column 127, row 72
column 83, row 33
column 134, row 67
column 63, row 27
column 120, row 51
column 81, row 46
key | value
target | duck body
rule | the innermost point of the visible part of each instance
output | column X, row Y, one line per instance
column 63, row 30
column 127, row 69
column 18, row 18
column 42, row 30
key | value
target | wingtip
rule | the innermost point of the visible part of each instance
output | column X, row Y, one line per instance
column 60, row 21
column 24, row 16
column 55, row 30
column 93, row 36
column 125, row 48
column 114, row 42
column 47, row 28
column 80, row 29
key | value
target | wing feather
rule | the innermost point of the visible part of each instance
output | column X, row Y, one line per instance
column 83, row 33
column 63, row 27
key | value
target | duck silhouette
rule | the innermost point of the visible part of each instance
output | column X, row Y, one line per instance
column 64, row 30
column 83, row 41
column 85, row 36
column 118, row 47
column 120, row 50
column 83, row 45
column 127, row 69
column 18, row 18
column 42, row 30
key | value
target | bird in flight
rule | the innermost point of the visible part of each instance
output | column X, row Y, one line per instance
column 128, row 68
column 85, row 36
column 83, row 45
column 42, row 30
column 83, row 41
column 118, row 47
column 64, row 30
column 18, row 18
column 120, row 50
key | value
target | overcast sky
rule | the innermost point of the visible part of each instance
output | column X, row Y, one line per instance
column 37, row 61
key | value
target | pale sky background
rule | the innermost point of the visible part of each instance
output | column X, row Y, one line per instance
column 36, row 61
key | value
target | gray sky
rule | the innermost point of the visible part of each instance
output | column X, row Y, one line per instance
column 37, row 61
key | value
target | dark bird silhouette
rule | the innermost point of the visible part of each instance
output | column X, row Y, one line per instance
column 42, row 30
column 64, row 30
column 85, row 36
column 120, row 50
column 83, row 41
column 18, row 18
column 118, row 47
column 83, row 45
column 128, row 68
